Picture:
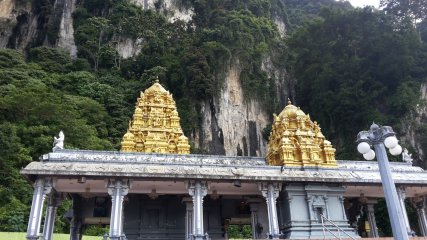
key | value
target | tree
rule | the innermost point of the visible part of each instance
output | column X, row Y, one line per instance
column 414, row 10
column 92, row 36
column 353, row 68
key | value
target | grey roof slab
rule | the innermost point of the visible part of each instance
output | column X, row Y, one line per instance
column 141, row 165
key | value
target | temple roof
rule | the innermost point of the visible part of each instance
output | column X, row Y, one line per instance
column 295, row 140
column 177, row 166
column 155, row 125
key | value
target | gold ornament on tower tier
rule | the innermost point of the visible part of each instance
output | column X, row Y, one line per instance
column 155, row 126
column 297, row 141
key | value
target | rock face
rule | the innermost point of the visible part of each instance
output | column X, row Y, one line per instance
column 280, row 24
column 66, row 29
column 413, row 125
column 18, row 24
column 24, row 26
column 232, row 125
column 285, row 84
column 127, row 47
column 7, row 20
column 172, row 9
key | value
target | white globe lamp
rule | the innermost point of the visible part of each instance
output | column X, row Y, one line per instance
column 396, row 150
column 369, row 155
column 391, row 142
column 363, row 147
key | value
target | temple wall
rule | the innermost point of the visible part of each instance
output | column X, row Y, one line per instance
column 164, row 217
column 305, row 202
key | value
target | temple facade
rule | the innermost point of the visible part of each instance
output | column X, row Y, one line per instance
column 155, row 189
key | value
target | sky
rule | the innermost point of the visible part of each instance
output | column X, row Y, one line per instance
column 362, row 3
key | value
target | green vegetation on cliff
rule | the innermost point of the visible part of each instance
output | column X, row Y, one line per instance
column 355, row 67
column 352, row 67
column 91, row 98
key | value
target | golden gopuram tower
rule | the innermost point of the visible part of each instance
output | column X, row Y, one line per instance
column 155, row 126
column 297, row 141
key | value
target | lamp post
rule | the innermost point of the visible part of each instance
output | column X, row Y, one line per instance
column 378, row 136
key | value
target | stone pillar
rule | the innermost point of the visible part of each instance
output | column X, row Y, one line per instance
column 341, row 198
column 419, row 204
column 117, row 189
column 371, row 218
column 55, row 200
column 42, row 187
column 188, row 217
column 198, row 190
column 270, row 191
column 76, row 220
column 401, row 194
column 254, row 206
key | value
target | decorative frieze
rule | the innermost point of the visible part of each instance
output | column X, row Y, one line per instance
column 217, row 172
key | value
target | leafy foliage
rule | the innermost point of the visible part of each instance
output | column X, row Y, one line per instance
column 353, row 68
column 240, row 231
column 299, row 12
column 32, row 110
column 402, row 10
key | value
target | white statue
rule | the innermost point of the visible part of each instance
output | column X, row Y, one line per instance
column 58, row 143
column 406, row 156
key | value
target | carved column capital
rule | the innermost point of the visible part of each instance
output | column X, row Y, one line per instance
column 118, row 184
column 270, row 191
column 401, row 192
column 45, row 183
column 273, row 187
column 193, row 185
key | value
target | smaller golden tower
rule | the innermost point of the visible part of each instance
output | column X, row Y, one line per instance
column 297, row 141
column 155, row 126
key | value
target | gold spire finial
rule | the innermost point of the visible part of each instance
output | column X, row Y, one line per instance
column 157, row 79
column 289, row 102
column 297, row 141
column 155, row 124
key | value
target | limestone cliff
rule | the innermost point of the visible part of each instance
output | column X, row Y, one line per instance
column 14, row 13
column 7, row 20
column 173, row 11
column 414, row 128
column 66, row 29
column 231, row 124
column 26, row 24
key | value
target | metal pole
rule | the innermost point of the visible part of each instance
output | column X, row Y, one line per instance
column 393, row 206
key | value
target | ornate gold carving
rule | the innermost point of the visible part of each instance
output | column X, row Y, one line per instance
column 155, row 125
column 297, row 141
